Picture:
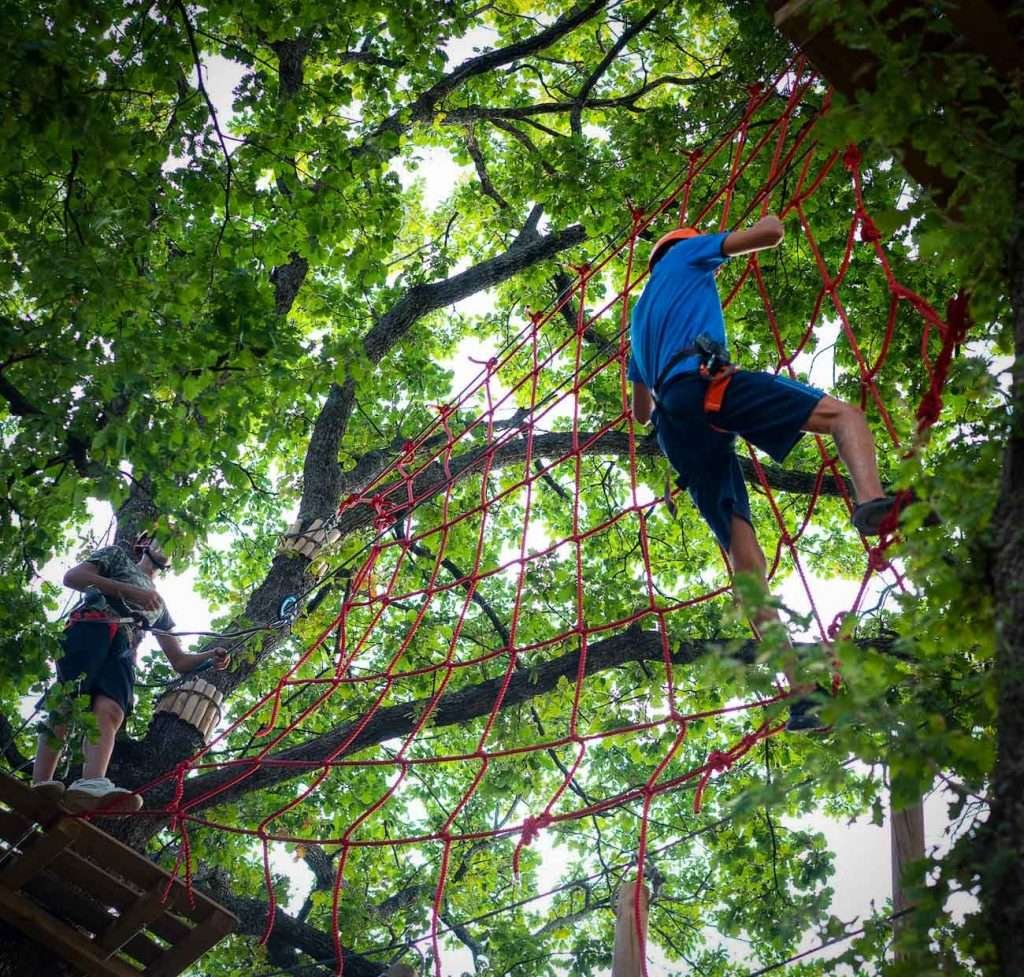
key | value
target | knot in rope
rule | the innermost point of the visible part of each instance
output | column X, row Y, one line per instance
column 876, row 558
column 852, row 158
column 869, row 231
column 384, row 511
column 444, row 411
column 408, row 450
column 837, row 623
column 533, row 826
column 754, row 90
column 718, row 762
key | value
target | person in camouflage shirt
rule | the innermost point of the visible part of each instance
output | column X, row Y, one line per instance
column 99, row 648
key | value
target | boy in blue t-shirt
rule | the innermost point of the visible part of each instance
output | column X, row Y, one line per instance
column 679, row 359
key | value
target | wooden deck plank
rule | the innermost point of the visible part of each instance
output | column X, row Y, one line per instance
column 20, row 797
column 75, row 875
column 117, row 893
column 202, row 939
column 39, row 852
column 66, row 902
column 38, row 924
column 120, row 860
column 139, row 915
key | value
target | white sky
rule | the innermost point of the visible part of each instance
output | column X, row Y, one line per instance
column 862, row 849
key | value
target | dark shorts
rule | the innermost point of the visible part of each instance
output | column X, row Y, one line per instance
column 100, row 662
column 769, row 411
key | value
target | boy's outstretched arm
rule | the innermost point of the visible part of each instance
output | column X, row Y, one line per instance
column 643, row 403
column 766, row 233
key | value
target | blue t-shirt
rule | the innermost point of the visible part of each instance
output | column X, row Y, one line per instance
column 679, row 302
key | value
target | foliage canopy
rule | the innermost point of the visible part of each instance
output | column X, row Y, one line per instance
column 225, row 321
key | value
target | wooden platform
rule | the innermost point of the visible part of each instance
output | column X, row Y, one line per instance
column 988, row 28
column 97, row 903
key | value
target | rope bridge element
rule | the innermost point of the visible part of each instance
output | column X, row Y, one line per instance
column 468, row 587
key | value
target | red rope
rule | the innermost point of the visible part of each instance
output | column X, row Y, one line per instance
column 426, row 498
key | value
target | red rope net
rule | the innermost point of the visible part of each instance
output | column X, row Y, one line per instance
column 483, row 478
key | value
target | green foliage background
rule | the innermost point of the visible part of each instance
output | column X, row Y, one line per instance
column 139, row 336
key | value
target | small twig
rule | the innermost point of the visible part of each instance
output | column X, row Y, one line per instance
column 69, row 214
column 201, row 85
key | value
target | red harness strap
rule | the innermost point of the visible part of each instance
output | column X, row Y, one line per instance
column 717, row 385
column 98, row 617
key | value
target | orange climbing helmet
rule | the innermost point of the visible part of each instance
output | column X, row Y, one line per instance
column 662, row 243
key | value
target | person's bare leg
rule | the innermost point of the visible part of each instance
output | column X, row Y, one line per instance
column 856, row 447
column 109, row 716
column 746, row 556
column 47, row 755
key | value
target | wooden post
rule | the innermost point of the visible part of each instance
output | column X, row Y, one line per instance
column 906, row 834
column 196, row 702
column 627, row 957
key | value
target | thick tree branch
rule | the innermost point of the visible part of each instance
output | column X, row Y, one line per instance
column 9, row 748
column 422, row 109
column 575, row 116
column 321, row 473
column 287, row 280
column 291, row 56
column 481, row 169
column 432, row 479
column 462, row 706
column 421, row 299
column 315, row 943
column 19, row 404
column 1001, row 842
column 463, row 115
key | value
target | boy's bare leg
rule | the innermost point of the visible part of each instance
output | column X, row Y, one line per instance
column 97, row 752
column 109, row 716
column 850, row 431
column 746, row 556
column 48, row 756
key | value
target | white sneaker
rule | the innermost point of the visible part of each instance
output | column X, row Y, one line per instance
column 100, row 794
column 48, row 791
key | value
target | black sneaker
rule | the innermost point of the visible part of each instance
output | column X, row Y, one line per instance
column 803, row 713
column 868, row 516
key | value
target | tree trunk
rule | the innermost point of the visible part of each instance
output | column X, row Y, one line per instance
column 906, row 835
column 1003, row 878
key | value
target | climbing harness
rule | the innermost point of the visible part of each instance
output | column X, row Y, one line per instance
column 715, row 367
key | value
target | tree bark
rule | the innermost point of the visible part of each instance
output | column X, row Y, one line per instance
column 1003, row 847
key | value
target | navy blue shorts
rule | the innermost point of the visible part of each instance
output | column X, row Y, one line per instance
column 101, row 663
column 768, row 410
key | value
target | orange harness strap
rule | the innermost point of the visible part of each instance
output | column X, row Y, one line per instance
column 717, row 385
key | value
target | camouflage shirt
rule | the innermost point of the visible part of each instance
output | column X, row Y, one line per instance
column 114, row 563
